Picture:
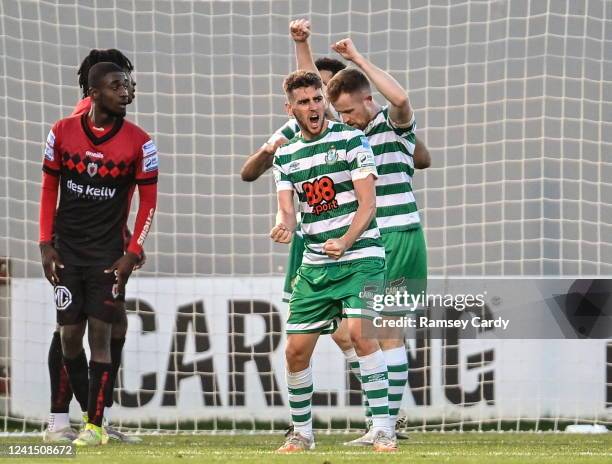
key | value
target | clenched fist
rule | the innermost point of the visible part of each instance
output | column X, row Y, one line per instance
column 300, row 30
column 280, row 233
column 346, row 48
column 334, row 248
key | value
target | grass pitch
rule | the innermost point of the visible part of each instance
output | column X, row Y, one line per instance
column 469, row 447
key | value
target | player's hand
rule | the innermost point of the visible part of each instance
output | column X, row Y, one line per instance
column 272, row 147
column 300, row 30
column 346, row 48
column 334, row 248
column 123, row 268
column 50, row 261
column 142, row 261
column 126, row 243
column 280, row 233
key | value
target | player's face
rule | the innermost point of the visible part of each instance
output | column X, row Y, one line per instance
column 131, row 87
column 353, row 109
column 325, row 76
column 113, row 96
column 308, row 107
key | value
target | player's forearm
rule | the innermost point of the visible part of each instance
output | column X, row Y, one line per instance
column 144, row 217
column 258, row 163
column 393, row 92
column 286, row 217
column 48, row 204
column 304, row 58
column 366, row 212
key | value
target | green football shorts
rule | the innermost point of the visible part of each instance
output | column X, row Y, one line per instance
column 322, row 295
column 406, row 257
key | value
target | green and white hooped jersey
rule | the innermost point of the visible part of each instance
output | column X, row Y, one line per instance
column 393, row 148
column 321, row 171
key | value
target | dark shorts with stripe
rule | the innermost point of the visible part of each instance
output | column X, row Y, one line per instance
column 86, row 291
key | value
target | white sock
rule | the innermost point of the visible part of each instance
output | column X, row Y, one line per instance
column 300, row 401
column 397, row 368
column 376, row 387
column 58, row 421
column 107, row 414
column 353, row 361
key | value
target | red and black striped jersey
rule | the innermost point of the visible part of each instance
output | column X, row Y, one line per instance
column 98, row 173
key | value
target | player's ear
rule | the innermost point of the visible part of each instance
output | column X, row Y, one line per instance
column 288, row 109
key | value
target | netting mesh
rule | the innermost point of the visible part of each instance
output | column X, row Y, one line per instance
column 512, row 99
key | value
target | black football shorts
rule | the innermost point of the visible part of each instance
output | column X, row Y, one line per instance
column 86, row 291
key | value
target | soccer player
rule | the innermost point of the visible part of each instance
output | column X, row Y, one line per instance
column 96, row 159
column 332, row 169
column 58, row 426
column 260, row 161
column 390, row 131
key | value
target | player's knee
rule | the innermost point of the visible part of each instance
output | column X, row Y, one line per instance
column 391, row 343
column 363, row 345
column 72, row 341
column 99, row 339
column 343, row 340
column 296, row 359
column 120, row 326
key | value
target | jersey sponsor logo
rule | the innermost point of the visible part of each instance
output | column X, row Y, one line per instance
column 150, row 161
column 396, row 286
column 331, row 156
column 63, row 297
column 365, row 159
column 365, row 143
column 93, row 193
column 146, row 227
column 320, row 195
column 94, row 154
column 149, row 149
column 49, row 146
column 92, row 169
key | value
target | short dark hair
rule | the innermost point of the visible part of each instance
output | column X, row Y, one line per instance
column 299, row 79
column 111, row 55
column 99, row 70
column 348, row 80
column 329, row 64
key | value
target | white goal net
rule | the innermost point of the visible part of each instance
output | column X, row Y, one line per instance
column 513, row 100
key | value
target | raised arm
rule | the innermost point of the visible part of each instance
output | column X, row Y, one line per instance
column 400, row 110
column 300, row 33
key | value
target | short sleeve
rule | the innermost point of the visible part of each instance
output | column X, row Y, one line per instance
column 147, row 164
column 282, row 180
column 403, row 130
column 51, row 159
column 360, row 157
column 287, row 131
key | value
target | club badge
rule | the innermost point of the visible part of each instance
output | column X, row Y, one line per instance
column 331, row 156
column 92, row 169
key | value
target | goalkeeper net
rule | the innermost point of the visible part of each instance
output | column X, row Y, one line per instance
column 512, row 98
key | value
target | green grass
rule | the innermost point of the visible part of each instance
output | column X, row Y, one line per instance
column 422, row 447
